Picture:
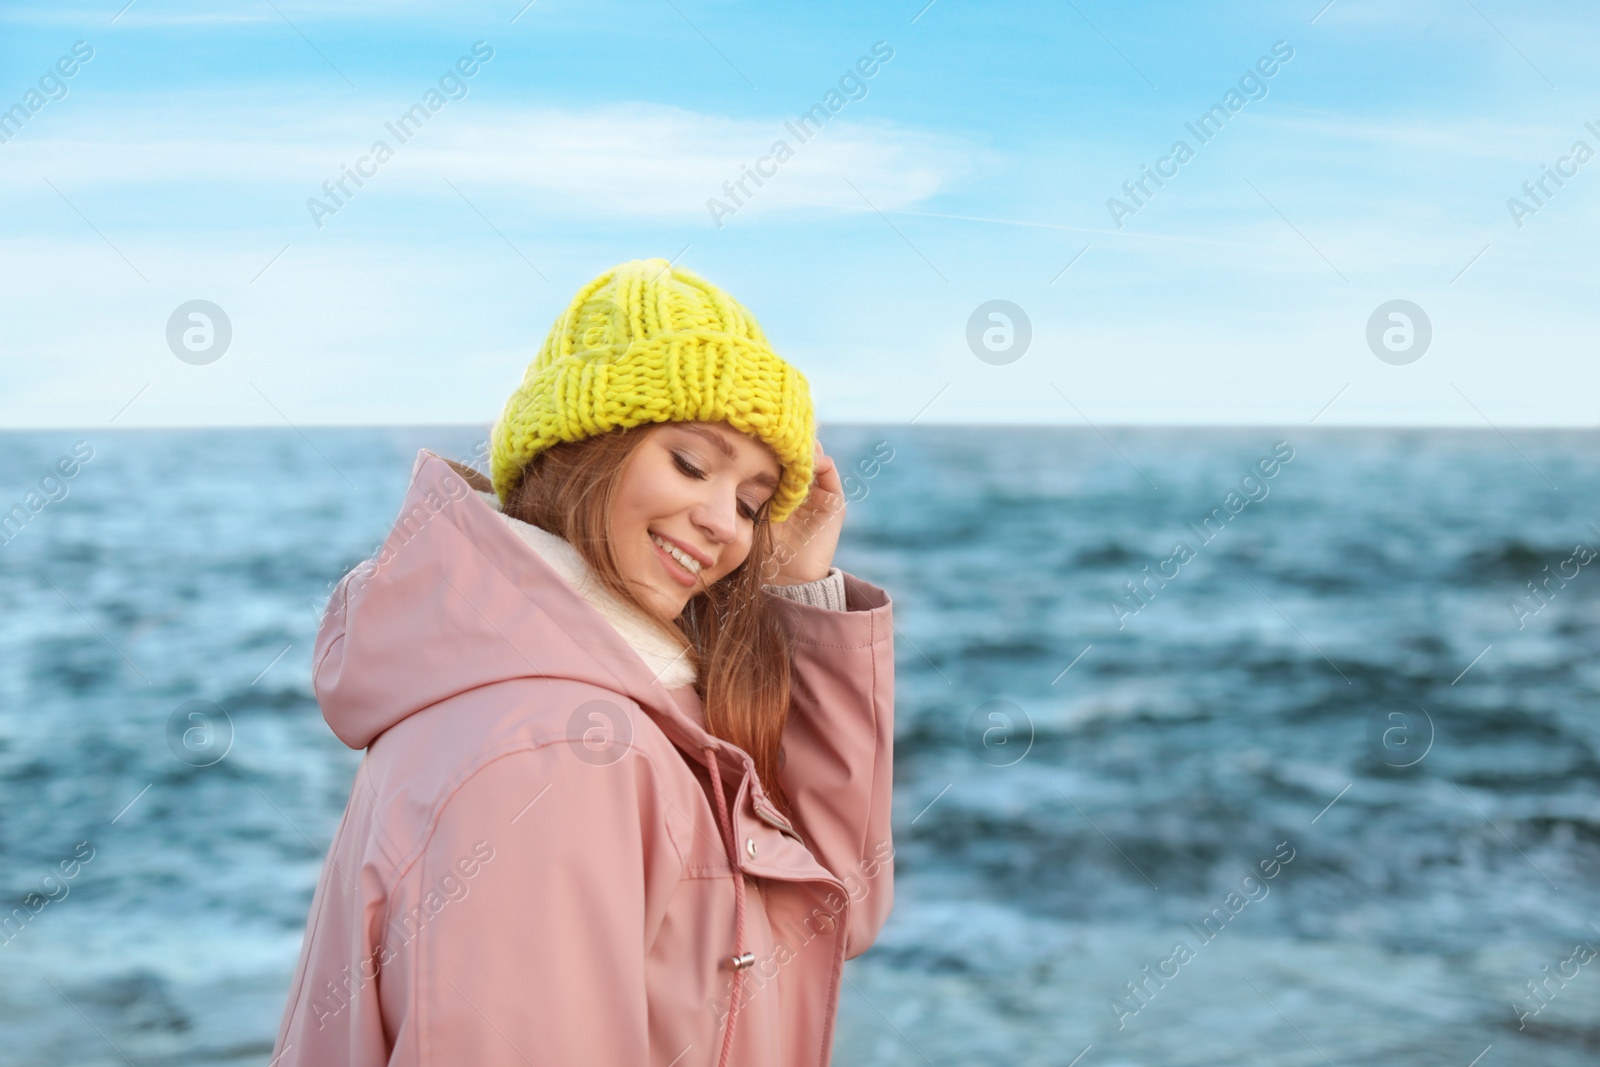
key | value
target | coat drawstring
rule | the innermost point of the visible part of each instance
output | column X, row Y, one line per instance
column 740, row 959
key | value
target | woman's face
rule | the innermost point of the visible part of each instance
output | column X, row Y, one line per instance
column 696, row 486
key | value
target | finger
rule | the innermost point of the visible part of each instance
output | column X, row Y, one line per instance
column 819, row 458
column 826, row 476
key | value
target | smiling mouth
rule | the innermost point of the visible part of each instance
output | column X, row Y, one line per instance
column 686, row 574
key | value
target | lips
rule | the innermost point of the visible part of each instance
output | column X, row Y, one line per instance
column 694, row 553
column 676, row 570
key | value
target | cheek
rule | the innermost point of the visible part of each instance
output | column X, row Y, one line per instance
column 628, row 539
column 738, row 552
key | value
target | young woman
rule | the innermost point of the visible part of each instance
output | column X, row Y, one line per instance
column 629, row 732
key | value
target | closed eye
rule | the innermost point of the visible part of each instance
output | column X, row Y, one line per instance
column 696, row 473
column 686, row 467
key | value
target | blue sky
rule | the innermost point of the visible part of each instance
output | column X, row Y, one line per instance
column 976, row 164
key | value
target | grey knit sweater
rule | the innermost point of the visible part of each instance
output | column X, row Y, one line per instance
column 823, row 593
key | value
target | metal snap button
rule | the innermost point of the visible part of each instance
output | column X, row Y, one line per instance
column 750, row 847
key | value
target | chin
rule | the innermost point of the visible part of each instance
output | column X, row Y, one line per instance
column 665, row 607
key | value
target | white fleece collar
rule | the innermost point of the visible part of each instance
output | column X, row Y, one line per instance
column 668, row 660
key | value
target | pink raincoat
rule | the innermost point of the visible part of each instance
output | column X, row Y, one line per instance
column 545, row 858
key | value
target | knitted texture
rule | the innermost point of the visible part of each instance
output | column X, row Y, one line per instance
column 827, row 593
column 649, row 342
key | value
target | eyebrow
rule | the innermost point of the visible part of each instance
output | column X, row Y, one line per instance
column 727, row 450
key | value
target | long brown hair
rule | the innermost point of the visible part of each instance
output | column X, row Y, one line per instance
column 737, row 642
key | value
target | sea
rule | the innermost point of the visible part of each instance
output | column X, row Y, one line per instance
column 1249, row 746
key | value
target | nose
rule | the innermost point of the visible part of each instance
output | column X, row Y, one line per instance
column 717, row 515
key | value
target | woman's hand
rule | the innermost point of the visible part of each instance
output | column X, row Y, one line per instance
column 804, row 543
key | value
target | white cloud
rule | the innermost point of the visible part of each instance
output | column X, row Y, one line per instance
column 633, row 159
column 1468, row 137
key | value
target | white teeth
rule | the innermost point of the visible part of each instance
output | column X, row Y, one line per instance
column 690, row 564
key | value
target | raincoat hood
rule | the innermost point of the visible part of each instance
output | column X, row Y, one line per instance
column 412, row 614
column 417, row 625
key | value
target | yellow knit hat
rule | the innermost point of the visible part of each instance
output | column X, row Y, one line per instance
column 649, row 342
